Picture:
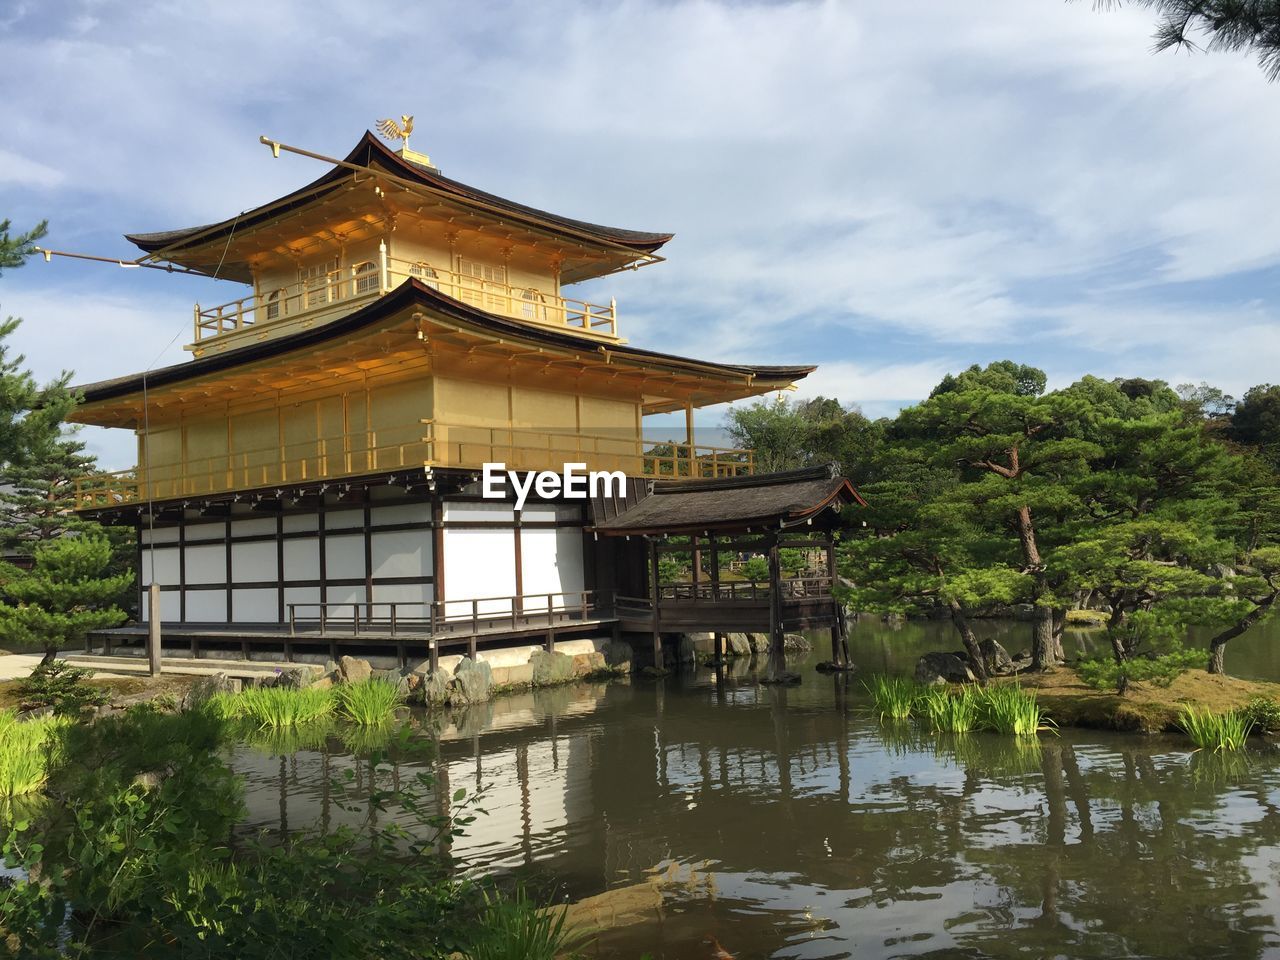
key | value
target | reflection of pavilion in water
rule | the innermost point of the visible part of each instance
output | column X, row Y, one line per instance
column 818, row 823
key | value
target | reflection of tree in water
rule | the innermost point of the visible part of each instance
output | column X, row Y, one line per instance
column 1047, row 850
column 1133, row 857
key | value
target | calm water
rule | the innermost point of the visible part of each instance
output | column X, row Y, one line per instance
column 788, row 823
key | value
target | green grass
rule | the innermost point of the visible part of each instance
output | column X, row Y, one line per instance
column 29, row 751
column 1010, row 710
column 1215, row 731
column 950, row 712
column 278, row 707
column 515, row 928
column 893, row 698
column 370, row 702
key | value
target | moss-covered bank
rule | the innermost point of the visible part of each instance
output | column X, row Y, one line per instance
column 1146, row 708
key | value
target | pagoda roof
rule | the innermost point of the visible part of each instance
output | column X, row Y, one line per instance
column 179, row 245
column 412, row 298
column 734, row 504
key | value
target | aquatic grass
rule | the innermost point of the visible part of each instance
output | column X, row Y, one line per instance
column 950, row 712
column 1010, row 710
column 514, row 927
column 29, row 751
column 1216, row 731
column 369, row 702
column 286, row 706
column 224, row 706
column 893, row 698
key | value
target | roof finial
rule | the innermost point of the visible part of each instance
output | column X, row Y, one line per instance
column 394, row 131
column 400, row 131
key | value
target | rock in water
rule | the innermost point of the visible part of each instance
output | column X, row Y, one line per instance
column 206, row 687
column 354, row 670
column 550, row 668
column 738, row 644
column 617, row 655
column 796, row 643
column 472, row 681
column 940, row 667
column 435, row 689
column 995, row 657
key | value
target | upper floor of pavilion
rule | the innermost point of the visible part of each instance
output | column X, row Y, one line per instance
column 380, row 217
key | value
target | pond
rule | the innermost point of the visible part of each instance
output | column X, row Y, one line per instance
column 787, row 822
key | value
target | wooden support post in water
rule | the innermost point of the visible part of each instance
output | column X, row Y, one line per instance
column 654, row 596
column 153, row 629
column 777, row 654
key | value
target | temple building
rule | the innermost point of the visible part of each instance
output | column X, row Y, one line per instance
column 314, row 470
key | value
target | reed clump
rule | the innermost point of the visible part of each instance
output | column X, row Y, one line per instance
column 1215, row 731
column 950, row 712
column 894, row 698
column 278, row 707
column 370, row 702
column 30, row 750
column 1011, row 711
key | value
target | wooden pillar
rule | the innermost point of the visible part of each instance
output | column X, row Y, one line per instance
column 688, row 431
column 715, row 569
column 695, row 560
column 153, row 629
column 838, row 656
column 777, row 656
column 653, row 599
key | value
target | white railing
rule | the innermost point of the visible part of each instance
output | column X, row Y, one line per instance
column 346, row 288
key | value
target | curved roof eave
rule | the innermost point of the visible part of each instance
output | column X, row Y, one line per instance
column 370, row 150
column 414, row 293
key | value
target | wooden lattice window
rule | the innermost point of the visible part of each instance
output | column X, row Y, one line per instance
column 364, row 277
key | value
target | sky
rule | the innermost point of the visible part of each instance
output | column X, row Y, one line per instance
column 889, row 190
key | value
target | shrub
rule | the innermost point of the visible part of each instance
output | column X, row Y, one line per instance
column 1263, row 713
column 286, row 706
column 369, row 702
column 893, row 697
column 1162, row 670
column 1216, row 731
column 59, row 685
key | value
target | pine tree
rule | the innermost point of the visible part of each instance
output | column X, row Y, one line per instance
column 1251, row 26
column 66, row 594
column 37, row 495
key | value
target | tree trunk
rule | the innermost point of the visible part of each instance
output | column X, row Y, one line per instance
column 1059, row 626
column 1042, row 634
column 970, row 641
column 50, row 653
column 1218, row 645
column 1042, row 640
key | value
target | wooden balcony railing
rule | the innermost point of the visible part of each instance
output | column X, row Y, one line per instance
column 455, row 445
column 428, row 444
column 344, row 289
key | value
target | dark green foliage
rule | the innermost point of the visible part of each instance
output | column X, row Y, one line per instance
column 64, row 596
column 789, row 434
column 1160, row 669
column 1256, row 422
column 1263, row 713
column 139, row 855
column 59, row 685
column 14, row 250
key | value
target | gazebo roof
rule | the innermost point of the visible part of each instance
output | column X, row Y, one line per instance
column 735, row 504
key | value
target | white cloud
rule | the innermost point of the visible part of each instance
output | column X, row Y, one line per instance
column 21, row 171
